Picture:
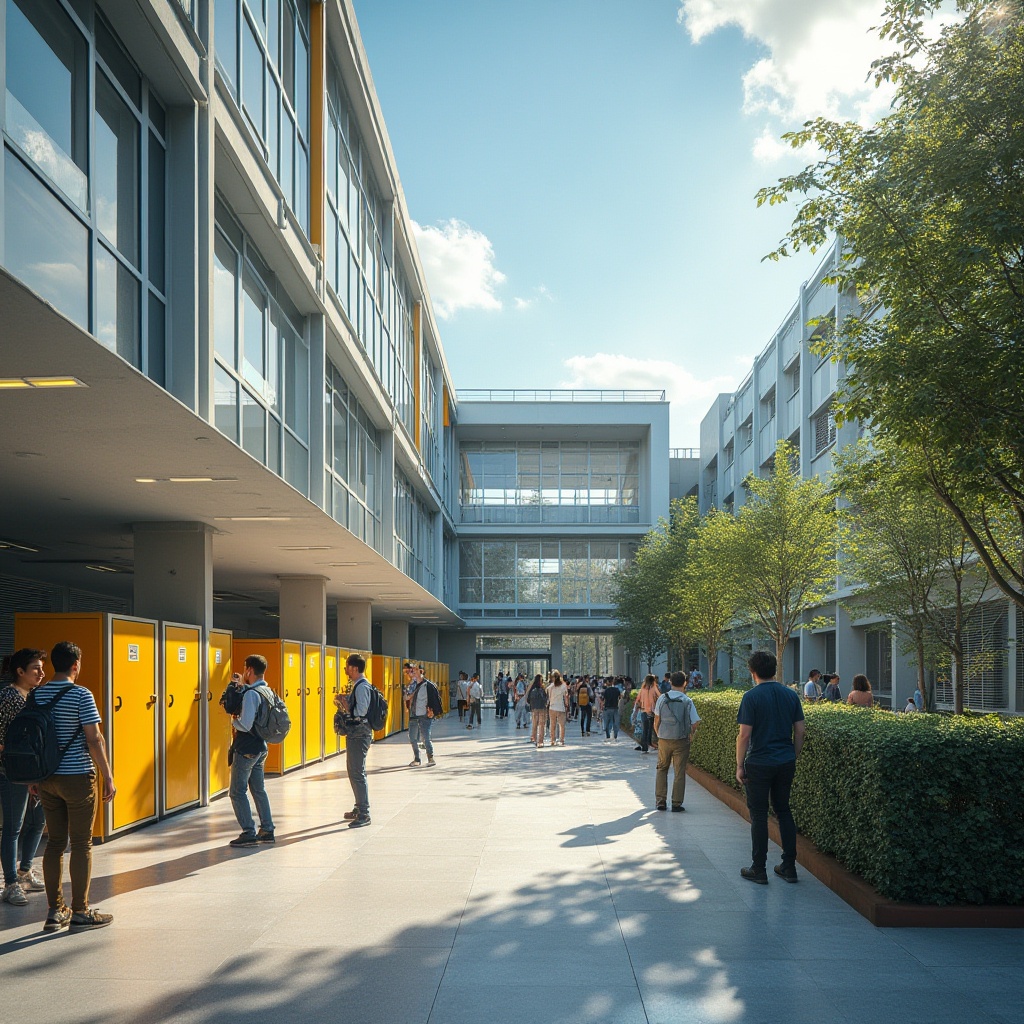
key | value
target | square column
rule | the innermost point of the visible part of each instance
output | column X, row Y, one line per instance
column 174, row 572
column 355, row 625
column 395, row 638
column 425, row 643
column 303, row 608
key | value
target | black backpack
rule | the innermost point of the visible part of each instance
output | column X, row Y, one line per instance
column 433, row 698
column 32, row 752
column 272, row 722
column 377, row 712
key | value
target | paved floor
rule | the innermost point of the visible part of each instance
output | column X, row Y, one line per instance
column 506, row 884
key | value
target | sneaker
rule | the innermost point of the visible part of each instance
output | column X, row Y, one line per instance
column 660, row 807
column 415, row 764
column 263, row 836
column 787, row 874
column 244, row 839
column 14, row 895
column 678, row 807
column 86, row 920
column 431, row 762
column 360, row 821
column 638, row 747
column 56, row 919
column 753, row 875
column 31, row 880
column 351, row 815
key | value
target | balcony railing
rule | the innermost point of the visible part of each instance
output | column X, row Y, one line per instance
column 684, row 453
column 558, row 395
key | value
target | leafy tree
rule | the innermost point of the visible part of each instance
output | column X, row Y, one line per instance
column 638, row 599
column 929, row 204
column 780, row 554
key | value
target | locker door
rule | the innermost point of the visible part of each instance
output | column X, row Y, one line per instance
column 313, row 703
column 331, row 670
column 218, row 723
column 133, row 732
column 182, row 675
column 291, row 680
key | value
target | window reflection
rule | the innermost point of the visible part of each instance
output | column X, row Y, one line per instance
column 117, row 306
column 117, row 170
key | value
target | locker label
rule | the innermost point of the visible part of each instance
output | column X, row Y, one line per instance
column 182, row 654
column 291, row 660
column 216, row 656
column 133, row 652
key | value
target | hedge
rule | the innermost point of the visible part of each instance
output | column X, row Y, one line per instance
column 927, row 808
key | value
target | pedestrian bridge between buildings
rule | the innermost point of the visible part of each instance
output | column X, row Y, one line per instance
column 506, row 884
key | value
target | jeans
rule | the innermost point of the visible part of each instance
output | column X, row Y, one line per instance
column 474, row 712
column 556, row 726
column 21, row 833
column 646, row 730
column 776, row 781
column 611, row 722
column 675, row 753
column 247, row 777
column 419, row 727
column 462, row 709
column 69, row 803
column 586, row 712
column 357, row 745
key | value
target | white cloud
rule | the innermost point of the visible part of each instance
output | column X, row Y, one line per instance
column 459, row 264
column 540, row 293
column 818, row 60
column 689, row 395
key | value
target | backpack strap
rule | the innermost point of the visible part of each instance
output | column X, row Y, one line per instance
column 60, row 695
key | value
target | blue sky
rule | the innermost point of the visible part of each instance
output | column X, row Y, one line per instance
column 582, row 174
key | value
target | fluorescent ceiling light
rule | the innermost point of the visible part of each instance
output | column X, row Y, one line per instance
column 10, row 545
column 252, row 519
column 101, row 568
column 14, row 382
column 305, row 547
column 41, row 382
column 185, row 479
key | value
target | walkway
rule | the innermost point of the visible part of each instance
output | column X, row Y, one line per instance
column 506, row 884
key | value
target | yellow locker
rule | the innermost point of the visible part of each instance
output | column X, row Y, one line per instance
column 332, row 686
column 292, row 672
column 181, row 694
column 271, row 650
column 313, row 703
column 377, row 673
column 119, row 668
column 218, row 723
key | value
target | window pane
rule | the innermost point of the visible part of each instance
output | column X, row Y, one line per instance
column 296, row 370
column 226, row 37
column 117, row 170
column 288, row 51
column 296, row 464
column 157, row 341
column 252, row 76
column 287, row 155
column 224, row 314
column 273, row 119
column 117, row 306
column 274, row 30
column 253, row 427
column 340, row 425
column 45, row 244
column 274, row 445
column 302, row 187
column 254, row 311
column 157, row 203
column 302, row 84
column 118, row 62
column 225, row 404
column 47, row 93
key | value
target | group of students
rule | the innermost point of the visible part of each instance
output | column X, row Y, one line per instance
column 823, row 687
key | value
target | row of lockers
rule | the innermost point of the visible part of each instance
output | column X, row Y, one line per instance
column 157, row 687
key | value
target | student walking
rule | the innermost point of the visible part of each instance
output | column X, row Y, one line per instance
column 675, row 722
column 610, row 709
column 537, row 699
column 558, row 707
column 646, row 701
column 475, row 694
column 771, row 721
column 22, row 813
column 249, row 754
column 350, row 720
column 461, row 694
column 585, row 703
column 424, row 703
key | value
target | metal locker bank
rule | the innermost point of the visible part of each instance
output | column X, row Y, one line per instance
column 218, row 722
column 181, row 693
column 313, row 703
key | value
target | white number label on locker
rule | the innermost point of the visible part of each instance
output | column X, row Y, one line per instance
column 133, row 652
column 216, row 656
column 182, row 654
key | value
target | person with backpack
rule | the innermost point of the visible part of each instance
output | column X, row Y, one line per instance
column 537, row 701
column 353, row 720
column 248, row 755
column 675, row 722
column 68, row 795
column 558, row 707
column 424, row 706
column 585, row 703
column 22, row 813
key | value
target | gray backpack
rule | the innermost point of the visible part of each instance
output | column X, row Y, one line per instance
column 673, row 725
column 272, row 722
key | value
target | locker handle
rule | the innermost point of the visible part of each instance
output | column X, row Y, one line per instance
column 209, row 696
column 170, row 702
column 151, row 701
column 198, row 695
column 117, row 706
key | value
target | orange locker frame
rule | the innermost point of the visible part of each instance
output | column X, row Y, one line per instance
column 181, row 692
column 120, row 669
column 216, row 723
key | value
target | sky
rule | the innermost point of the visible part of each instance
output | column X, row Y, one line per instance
column 581, row 175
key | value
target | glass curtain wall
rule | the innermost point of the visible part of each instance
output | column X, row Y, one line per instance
column 84, row 177
column 370, row 289
column 261, row 366
column 430, row 449
column 354, row 473
column 414, row 535
column 262, row 49
column 529, row 573
column 550, row 482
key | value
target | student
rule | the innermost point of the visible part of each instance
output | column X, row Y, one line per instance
column 812, row 688
column 585, row 703
column 475, row 694
column 353, row 709
column 424, row 701
column 646, row 701
column 558, row 707
column 247, row 760
column 461, row 694
column 537, row 700
column 675, row 722
column 860, row 696
column 610, row 709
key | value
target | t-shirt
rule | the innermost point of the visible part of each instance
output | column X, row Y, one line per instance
column 476, row 691
column 77, row 708
column 770, row 709
column 662, row 712
column 648, row 698
column 558, row 697
column 463, row 689
column 611, row 698
column 812, row 691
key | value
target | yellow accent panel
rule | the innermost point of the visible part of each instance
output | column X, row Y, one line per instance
column 417, row 347
column 219, row 723
column 133, row 732
column 317, row 122
column 313, row 704
column 291, row 677
column 447, row 403
column 181, row 696
column 332, row 686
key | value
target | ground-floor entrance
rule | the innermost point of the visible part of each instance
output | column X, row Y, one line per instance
column 529, row 664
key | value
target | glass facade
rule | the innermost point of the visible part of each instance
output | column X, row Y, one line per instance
column 262, row 49
column 359, row 264
column 354, row 471
column 73, row 204
column 532, row 573
column 414, row 535
column 550, row 482
column 261, row 374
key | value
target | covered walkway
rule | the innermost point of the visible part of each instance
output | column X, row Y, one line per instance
column 506, row 884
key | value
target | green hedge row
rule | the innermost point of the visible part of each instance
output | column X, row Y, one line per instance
column 927, row 808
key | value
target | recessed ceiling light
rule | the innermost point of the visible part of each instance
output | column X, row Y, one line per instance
column 10, row 545
column 101, row 568
column 305, row 547
column 252, row 519
column 9, row 383
column 41, row 382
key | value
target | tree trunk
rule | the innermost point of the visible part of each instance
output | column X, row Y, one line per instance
column 919, row 644
column 712, row 659
column 780, row 651
column 958, row 682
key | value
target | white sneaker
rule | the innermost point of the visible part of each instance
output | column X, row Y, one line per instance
column 14, row 895
column 31, row 880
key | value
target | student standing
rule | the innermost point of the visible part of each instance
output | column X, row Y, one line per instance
column 675, row 722
column 475, row 694
column 249, row 754
column 558, row 707
column 537, row 699
column 646, row 701
column 424, row 702
column 353, row 708
column 610, row 709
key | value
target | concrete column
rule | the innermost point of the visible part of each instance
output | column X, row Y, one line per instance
column 174, row 572
column 425, row 638
column 302, row 608
column 395, row 638
column 556, row 651
column 355, row 625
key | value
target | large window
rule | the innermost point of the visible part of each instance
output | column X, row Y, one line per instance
column 588, row 654
column 73, row 211
column 550, row 482
column 414, row 535
column 261, row 380
column 353, row 475
column 263, row 51
column 878, row 663
column 537, row 574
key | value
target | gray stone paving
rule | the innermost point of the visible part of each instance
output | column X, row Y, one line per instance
column 506, row 884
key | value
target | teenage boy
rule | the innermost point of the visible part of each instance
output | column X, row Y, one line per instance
column 424, row 703
column 249, row 754
column 353, row 708
column 675, row 722
column 474, row 695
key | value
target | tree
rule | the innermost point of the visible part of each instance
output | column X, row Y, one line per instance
column 929, row 204
column 780, row 557
column 638, row 598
